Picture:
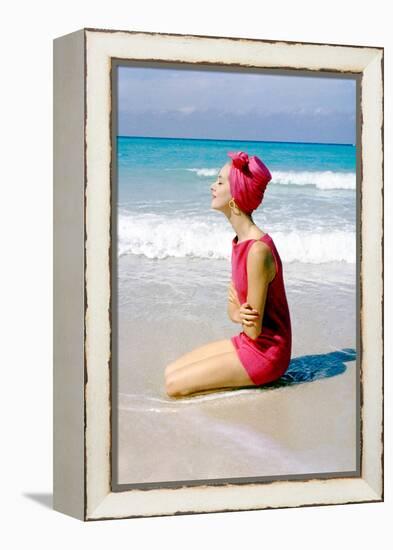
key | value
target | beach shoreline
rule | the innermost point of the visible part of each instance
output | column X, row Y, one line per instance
column 309, row 428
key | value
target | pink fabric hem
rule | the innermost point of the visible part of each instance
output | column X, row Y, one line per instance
column 258, row 374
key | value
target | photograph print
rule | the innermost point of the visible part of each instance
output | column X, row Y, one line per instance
column 234, row 318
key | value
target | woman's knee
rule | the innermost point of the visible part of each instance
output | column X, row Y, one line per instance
column 174, row 386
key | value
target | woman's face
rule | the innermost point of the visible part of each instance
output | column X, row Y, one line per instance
column 220, row 189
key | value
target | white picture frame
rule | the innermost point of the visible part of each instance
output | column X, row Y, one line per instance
column 83, row 253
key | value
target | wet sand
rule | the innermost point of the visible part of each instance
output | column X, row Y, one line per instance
column 306, row 428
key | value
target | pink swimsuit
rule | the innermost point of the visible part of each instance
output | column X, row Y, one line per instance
column 266, row 358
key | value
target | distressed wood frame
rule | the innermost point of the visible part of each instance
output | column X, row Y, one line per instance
column 82, row 272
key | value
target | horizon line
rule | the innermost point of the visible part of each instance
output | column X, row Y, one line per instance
column 245, row 140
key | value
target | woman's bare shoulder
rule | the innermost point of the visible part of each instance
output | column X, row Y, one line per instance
column 260, row 257
column 259, row 248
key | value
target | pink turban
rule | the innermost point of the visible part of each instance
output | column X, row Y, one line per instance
column 248, row 178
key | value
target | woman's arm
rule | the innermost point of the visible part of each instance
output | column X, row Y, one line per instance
column 233, row 308
column 259, row 269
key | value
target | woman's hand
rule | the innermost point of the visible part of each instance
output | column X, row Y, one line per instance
column 248, row 316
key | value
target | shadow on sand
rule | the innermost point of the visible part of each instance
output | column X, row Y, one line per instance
column 313, row 367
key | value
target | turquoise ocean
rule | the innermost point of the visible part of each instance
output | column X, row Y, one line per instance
column 164, row 199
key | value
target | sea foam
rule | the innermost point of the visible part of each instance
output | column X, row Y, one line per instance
column 321, row 179
column 159, row 237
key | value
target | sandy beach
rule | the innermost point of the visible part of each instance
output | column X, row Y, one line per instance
column 304, row 423
column 303, row 429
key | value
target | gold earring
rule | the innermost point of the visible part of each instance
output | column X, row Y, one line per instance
column 232, row 203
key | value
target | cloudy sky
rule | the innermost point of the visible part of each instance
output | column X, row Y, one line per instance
column 166, row 102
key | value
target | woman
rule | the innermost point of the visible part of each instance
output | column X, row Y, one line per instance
column 256, row 296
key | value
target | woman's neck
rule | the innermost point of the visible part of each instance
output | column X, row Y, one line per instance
column 244, row 227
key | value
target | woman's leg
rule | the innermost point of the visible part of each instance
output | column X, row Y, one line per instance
column 208, row 350
column 219, row 371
